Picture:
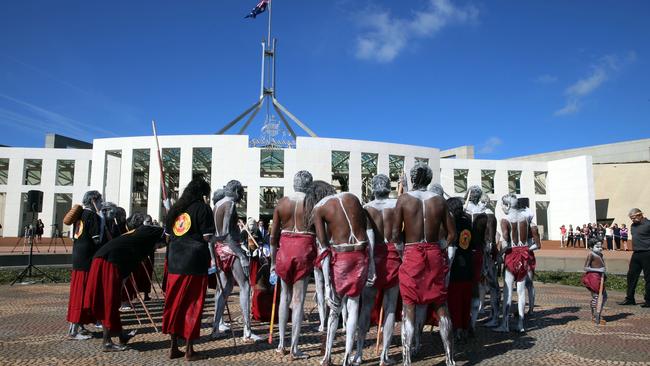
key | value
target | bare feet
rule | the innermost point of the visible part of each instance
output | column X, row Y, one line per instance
column 112, row 347
column 194, row 356
column 175, row 353
column 282, row 351
column 299, row 356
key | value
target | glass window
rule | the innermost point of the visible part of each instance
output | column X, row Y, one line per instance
column 64, row 172
column 171, row 158
column 460, row 180
column 272, row 163
column 541, row 217
column 4, row 171
column 341, row 170
column 395, row 171
column 514, row 181
column 242, row 206
column 202, row 163
column 540, row 182
column 422, row 160
column 269, row 197
column 32, row 173
column 112, row 175
column 3, row 202
column 140, row 181
column 368, row 170
column 90, row 170
column 62, row 204
column 487, row 180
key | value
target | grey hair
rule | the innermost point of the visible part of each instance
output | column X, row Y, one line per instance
column 510, row 199
column 234, row 189
column 380, row 186
column 474, row 193
column 109, row 209
column 437, row 189
column 421, row 175
column 148, row 220
column 91, row 198
column 634, row 211
column 218, row 195
column 302, row 180
column 136, row 220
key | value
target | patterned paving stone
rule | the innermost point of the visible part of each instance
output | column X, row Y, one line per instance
column 32, row 332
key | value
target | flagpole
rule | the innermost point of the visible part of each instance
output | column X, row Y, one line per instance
column 269, row 35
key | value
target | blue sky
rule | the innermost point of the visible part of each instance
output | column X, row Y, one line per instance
column 510, row 77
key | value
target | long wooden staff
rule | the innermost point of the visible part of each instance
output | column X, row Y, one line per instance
column 146, row 310
column 275, row 296
column 162, row 170
column 599, row 305
column 144, row 267
column 128, row 297
column 380, row 328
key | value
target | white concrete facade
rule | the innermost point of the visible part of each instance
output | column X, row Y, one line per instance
column 570, row 200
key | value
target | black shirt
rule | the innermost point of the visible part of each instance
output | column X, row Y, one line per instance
column 461, row 268
column 128, row 250
column 188, row 251
column 86, row 231
column 641, row 235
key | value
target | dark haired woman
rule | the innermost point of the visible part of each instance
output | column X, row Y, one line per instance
column 189, row 226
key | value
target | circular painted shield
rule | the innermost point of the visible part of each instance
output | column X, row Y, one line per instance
column 80, row 229
column 464, row 239
column 182, row 224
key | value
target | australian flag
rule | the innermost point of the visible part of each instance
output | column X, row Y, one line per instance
column 258, row 9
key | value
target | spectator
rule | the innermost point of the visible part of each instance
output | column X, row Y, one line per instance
column 578, row 236
column 586, row 234
column 40, row 228
column 617, row 237
column 562, row 236
column 609, row 236
column 570, row 242
column 624, row 236
column 640, row 260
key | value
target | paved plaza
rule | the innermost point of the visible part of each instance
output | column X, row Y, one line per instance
column 33, row 326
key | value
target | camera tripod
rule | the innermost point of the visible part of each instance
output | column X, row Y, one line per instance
column 29, row 232
column 27, row 272
column 56, row 238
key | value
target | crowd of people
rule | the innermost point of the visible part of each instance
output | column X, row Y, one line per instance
column 584, row 236
column 434, row 258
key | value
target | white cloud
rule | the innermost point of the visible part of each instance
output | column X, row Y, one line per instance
column 599, row 73
column 386, row 36
column 546, row 79
column 490, row 145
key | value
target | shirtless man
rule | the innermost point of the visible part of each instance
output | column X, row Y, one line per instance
column 594, row 270
column 534, row 244
column 341, row 224
column 424, row 268
column 293, row 250
column 232, row 261
column 514, row 242
column 483, row 232
column 387, row 261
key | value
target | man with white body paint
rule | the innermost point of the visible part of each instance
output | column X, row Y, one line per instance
column 483, row 231
column 293, row 251
column 423, row 273
column 534, row 244
column 387, row 261
column 232, row 261
column 348, row 263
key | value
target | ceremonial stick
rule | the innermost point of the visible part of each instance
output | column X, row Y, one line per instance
column 146, row 310
column 250, row 236
column 380, row 328
column 128, row 297
column 144, row 267
column 599, row 305
column 162, row 170
column 155, row 277
column 275, row 296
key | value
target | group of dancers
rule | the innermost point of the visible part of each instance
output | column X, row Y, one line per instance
column 435, row 258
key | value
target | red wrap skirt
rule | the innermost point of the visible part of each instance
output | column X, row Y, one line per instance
column 78, row 312
column 387, row 262
column 295, row 257
column 591, row 280
column 517, row 261
column 103, row 294
column 349, row 272
column 224, row 256
column 184, row 305
column 459, row 303
column 422, row 274
column 164, row 279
